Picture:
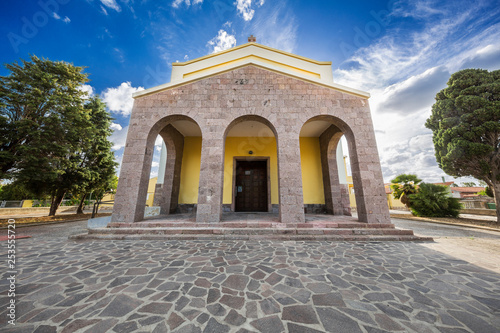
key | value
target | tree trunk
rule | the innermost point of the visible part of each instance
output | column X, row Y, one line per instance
column 79, row 210
column 496, row 193
column 56, row 202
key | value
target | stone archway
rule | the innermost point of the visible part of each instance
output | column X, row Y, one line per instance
column 137, row 158
column 250, row 140
column 366, row 173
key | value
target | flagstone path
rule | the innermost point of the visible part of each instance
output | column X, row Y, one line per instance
column 247, row 286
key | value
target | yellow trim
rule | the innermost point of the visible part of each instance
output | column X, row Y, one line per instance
column 168, row 86
column 247, row 45
column 253, row 57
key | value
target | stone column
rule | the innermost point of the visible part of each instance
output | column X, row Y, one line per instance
column 209, row 208
column 328, row 147
column 130, row 198
column 167, row 194
column 371, row 200
column 290, row 179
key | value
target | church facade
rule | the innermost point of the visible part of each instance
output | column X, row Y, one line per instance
column 252, row 129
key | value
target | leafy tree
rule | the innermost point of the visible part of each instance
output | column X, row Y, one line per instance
column 434, row 201
column 465, row 122
column 97, row 158
column 404, row 185
column 13, row 191
column 44, row 127
column 469, row 184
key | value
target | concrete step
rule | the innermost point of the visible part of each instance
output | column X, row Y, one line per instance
column 251, row 231
column 250, row 224
column 273, row 237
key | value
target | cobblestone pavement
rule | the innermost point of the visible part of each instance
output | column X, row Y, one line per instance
column 252, row 286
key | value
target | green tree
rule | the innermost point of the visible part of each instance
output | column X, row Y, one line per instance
column 97, row 158
column 465, row 122
column 434, row 201
column 469, row 184
column 14, row 191
column 404, row 185
column 44, row 127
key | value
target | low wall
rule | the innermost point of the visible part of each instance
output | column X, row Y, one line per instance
column 488, row 212
column 34, row 210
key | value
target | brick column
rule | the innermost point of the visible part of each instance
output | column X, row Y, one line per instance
column 130, row 198
column 209, row 208
column 167, row 194
column 290, row 179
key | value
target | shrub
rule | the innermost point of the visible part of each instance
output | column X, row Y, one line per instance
column 434, row 201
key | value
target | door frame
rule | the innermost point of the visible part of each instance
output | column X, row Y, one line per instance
column 237, row 159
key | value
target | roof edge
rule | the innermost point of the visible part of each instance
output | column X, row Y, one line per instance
column 247, row 45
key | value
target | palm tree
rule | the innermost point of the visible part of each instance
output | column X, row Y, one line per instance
column 404, row 185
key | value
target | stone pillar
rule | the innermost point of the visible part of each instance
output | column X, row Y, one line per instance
column 130, row 198
column 167, row 194
column 371, row 200
column 209, row 208
column 328, row 147
column 290, row 179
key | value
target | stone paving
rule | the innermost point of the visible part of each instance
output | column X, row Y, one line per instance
column 247, row 286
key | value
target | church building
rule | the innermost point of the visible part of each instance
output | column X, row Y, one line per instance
column 251, row 129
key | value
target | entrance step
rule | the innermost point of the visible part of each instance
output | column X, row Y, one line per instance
column 207, row 232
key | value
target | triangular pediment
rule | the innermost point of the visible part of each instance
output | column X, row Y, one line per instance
column 257, row 55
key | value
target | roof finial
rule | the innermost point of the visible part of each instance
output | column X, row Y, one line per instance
column 252, row 39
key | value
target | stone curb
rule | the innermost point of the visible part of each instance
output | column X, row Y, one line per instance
column 412, row 218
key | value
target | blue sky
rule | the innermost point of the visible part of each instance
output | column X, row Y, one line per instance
column 402, row 52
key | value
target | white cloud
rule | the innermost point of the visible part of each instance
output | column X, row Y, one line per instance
column 105, row 12
column 66, row 19
column 244, row 8
column 111, row 4
column 188, row 3
column 56, row 16
column 158, row 141
column 118, row 138
column 415, row 93
column 119, row 99
column 277, row 28
column 155, row 164
column 116, row 127
column 487, row 57
column 222, row 41
column 88, row 89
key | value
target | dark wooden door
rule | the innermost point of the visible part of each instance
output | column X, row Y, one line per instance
column 251, row 186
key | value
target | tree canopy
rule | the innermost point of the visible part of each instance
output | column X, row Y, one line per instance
column 465, row 122
column 50, row 130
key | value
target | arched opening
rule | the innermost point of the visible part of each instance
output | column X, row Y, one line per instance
column 175, row 168
column 250, row 174
column 325, row 181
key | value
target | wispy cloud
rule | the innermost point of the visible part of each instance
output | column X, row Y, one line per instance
column 244, row 8
column 188, row 3
column 277, row 28
column 119, row 100
column 111, row 4
column 221, row 42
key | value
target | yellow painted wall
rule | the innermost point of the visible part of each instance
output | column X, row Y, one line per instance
column 190, row 170
column 151, row 191
column 312, row 175
column 260, row 146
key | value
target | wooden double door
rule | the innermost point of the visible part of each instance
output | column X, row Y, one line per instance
column 251, row 186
